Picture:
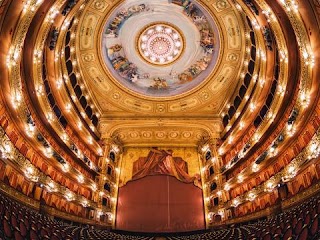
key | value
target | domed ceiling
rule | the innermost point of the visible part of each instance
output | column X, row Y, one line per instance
column 160, row 59
column 160, row 48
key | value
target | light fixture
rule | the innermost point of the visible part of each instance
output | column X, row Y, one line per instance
column 84, row 203
column 235, row 202
column 160, row 44
column 269, row 186
column 69, row 196
column 205, row 148
column 65, row 167
column 255, row 167
column 51, row 186
column 31, row 174
column 80, row 178
column 94, row 187
column 240, row 178
column 48, row 152
column 251, row 196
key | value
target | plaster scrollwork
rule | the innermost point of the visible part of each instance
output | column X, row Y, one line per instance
column 173, row 135
column 160, row 135
column 221, row 5
column 116, row 95
column 233, row 57
column 205, row 95
column 88, row 57
column 100, row 5
column 187, row 134
column 147, row 134
column 161, row 108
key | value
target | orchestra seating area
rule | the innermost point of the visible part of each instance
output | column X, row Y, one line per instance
column 298, row 223
column 21, row 222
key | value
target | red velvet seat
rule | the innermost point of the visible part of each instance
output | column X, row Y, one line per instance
column 314, row 228
column 1, row 208
column 14, row 222
column 23, row 229
column 267, row 236
column 34, row 227
column 298, row 227
column 278, row 230
column 33, row 235
column 313, row 211
column 276, row 237
column 6, row 228
column 304, row 233
column 287, row 234
column 294, row 222
column 17, row 235
column 54, row 237
column 26, row 223
column 307, row 219
column 7, row 214
column 282, row 225
column 44, row 233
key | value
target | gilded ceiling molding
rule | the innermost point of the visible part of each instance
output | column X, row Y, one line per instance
column 149, row 132
column 166, row 135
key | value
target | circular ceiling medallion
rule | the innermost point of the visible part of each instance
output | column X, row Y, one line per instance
column 160, row 43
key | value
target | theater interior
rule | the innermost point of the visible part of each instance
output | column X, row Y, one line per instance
column 162, row 119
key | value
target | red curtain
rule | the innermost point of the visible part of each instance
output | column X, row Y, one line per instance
column 162, row 162
column 160, row 204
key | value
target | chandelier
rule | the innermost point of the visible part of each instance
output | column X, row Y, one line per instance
column 160, row 44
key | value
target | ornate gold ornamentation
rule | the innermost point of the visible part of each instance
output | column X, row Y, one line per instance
column 100, row 5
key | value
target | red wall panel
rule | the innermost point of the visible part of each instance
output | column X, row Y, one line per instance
column 160, row 204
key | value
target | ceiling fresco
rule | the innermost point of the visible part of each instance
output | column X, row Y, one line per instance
column 160, row 48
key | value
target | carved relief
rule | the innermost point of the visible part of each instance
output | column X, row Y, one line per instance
column 88, row 57
column 100, row 5
column 221, row 5
column 88, row 27
column 233, row 57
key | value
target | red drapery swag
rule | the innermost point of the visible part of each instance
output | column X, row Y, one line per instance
column 161, row 162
